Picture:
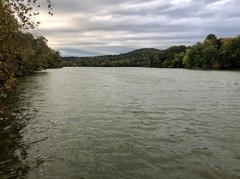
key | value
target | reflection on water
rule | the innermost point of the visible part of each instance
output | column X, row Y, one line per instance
column 14, row 116
column 123, row 123
column 13, row 151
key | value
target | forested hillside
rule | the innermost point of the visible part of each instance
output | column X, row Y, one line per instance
column 213, row 53
column 21, row 53
column 147, row 57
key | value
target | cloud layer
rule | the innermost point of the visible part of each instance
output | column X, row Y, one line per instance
column 94, row 27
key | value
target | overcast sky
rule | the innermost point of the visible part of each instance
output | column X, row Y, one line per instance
column 98, row 27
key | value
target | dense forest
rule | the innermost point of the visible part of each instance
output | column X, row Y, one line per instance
column 21, row 53
column 213, row 53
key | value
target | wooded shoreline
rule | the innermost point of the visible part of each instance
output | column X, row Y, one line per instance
column 213, row 53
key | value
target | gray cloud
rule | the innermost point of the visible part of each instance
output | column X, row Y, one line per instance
column 93, row 27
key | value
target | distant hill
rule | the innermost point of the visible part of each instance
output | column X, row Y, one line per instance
column 145, row 57
column 144, row 52
column 212, row 53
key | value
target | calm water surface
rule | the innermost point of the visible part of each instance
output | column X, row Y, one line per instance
column 123, row 123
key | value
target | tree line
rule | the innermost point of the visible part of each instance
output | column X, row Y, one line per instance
column 216, row 53
column 147, row 57
column 21, row 53
column 213, row 53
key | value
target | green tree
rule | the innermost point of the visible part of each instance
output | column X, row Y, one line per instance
column 22, row 53
column 194, row 57
column 8, row 27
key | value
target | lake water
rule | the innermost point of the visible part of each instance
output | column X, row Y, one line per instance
column 123, row 123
